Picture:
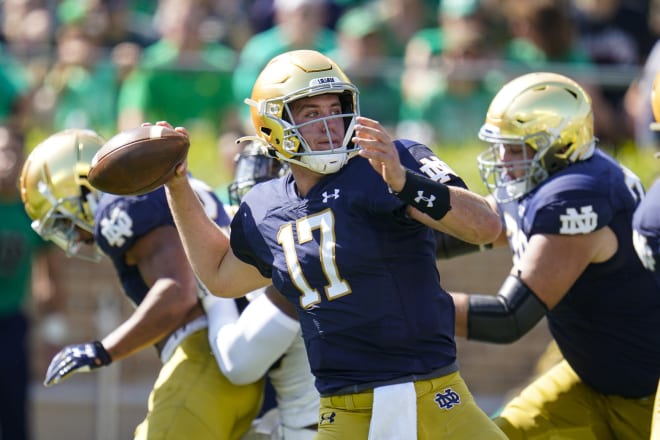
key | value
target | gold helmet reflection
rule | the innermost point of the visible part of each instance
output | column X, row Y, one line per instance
column 56, row 193
column 292, row 76
column 548, row 112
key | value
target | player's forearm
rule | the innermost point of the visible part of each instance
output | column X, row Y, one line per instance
column 471, row 218
column 205, row 244
column 160, row 313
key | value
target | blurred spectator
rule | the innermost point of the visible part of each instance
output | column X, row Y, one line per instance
column 615, row 34
column 637, row 102
column 403, row 18
column 80, row 89
column 182, row 78
column 262, row 16
column 14, row 89
column 544, row 36
column 21, row 252
column 447, row 83
column 25, row 54
column 363, row 53
column 299, row 24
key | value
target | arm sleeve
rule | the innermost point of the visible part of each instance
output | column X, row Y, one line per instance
column 247, row 346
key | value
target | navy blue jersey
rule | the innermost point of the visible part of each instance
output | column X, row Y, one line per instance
column 646, row 230
column 362, row 274
column 120, row 221
column 607, row 325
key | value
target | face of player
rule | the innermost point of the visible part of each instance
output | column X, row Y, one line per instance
column 320, row 134
column 515, row 158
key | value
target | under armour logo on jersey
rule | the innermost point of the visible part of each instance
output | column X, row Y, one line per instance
column 327, row 196
column 117, row 227
column 327, row 418
column 421, row 198
column 578, row 223
column 448, row 399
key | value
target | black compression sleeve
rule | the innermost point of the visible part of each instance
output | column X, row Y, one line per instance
column 505, row 317
column 427, row 195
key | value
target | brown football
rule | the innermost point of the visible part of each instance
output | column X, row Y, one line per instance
column 138, row 160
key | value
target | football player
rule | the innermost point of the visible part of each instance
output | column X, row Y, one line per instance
column 265, row 338
column 646, row 232
column 567, row 210
column 335, row 237
column 190, row 398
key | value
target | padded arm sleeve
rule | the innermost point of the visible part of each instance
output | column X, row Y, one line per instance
column 246, row 348
column 505, row 317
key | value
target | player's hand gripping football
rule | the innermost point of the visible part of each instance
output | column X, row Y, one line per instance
column 182, row 168
column 76, row 358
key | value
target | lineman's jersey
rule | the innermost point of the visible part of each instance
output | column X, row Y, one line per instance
column 346, row 247
column 120, row 221
column 607, row 325
column 646, row 230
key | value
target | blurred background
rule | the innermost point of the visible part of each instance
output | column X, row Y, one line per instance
column 427, row 69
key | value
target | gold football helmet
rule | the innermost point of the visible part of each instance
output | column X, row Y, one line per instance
column 56, row 193
column 547, row 112
column 295, row 75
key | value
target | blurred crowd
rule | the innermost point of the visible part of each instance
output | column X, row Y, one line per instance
column 427, row 69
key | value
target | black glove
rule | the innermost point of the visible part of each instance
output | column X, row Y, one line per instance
column 77, row 358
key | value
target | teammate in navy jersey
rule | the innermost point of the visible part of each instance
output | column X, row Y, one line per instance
column 336, row 238
column 567, row 211
column 191, row 398
column 646, row 232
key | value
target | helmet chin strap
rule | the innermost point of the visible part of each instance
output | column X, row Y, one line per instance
column 326, row 163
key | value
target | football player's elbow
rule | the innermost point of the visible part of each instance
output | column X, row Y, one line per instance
column 240, row 373
column 488, row 229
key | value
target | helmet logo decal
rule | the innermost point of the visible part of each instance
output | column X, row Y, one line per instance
column 573, row 223
column 324, row 80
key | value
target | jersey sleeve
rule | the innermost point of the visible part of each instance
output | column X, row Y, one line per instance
column 420, row 158
column 569, row 207
column 121, row 221
column 244, row 237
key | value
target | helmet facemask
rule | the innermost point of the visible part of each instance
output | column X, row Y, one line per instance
column 253, row 165
column 277, row 118
column 63, row 221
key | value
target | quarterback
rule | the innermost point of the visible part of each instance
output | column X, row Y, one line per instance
column 335, row 238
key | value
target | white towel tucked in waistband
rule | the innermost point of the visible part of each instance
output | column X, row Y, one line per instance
column 394, row 413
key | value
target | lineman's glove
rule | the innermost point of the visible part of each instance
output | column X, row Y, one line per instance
column 77, row 358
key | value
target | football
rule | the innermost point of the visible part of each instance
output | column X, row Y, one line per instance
column 138, row 161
